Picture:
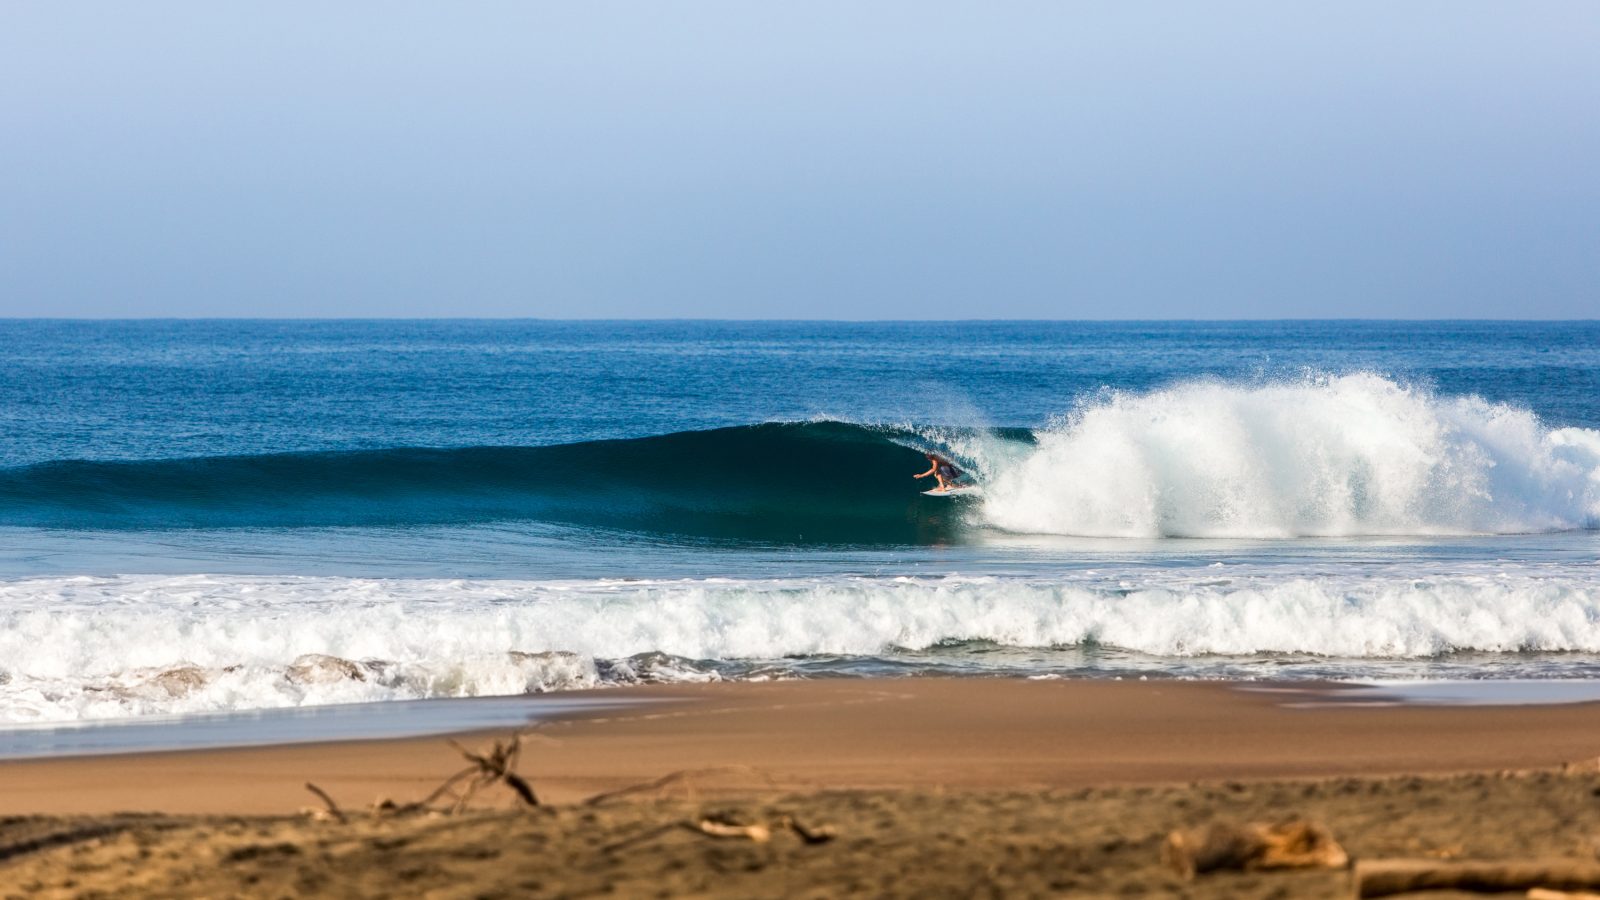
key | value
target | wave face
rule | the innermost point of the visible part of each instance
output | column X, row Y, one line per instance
column 818, row 482
column 1355, row 454
column 1327, row 456
column 81, row 648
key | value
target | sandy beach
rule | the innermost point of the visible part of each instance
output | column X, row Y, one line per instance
column 955, row 786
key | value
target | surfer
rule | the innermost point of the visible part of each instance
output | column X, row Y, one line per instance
column 943, row 470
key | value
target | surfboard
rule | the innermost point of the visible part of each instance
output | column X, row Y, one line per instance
column 957, row 491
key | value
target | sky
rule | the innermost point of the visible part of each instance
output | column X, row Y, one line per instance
column 815, row 160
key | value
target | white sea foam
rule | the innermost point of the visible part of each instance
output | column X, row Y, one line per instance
column 77, row 648
column 1356, row 454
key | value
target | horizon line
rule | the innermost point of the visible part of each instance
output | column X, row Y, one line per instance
column 777, row 321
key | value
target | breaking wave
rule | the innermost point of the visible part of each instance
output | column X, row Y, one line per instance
column 1342, row 455
column 1355, row 454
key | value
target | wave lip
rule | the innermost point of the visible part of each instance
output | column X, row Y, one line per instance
column 1356, row 454
column 83, row 648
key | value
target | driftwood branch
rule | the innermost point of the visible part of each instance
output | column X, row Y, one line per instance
column 498, row 764
column 495, row 765
column 327, row 802
column 819, row 835
column 1386, row 877
column 714, row 827
column 648, row 834
column 683, row 776
column 447, row 788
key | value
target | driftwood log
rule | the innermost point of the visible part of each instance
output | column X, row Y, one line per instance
column 1547, row 894
column 714, row 828
column 1387, row 877
column 1295, row 844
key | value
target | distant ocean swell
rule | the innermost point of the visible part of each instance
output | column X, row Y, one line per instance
column 1356, row 454
column 77, row 648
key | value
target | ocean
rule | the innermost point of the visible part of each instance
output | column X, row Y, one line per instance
column 210, row 516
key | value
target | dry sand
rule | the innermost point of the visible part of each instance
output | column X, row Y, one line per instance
column 936, row 787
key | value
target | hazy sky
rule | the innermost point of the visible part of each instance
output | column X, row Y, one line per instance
column 801, row 160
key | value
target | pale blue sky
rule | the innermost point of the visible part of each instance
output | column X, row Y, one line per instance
column 801, row 160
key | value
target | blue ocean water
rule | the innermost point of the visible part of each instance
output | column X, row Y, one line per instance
column 209, row 515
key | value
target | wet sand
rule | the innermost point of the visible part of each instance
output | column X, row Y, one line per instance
column 1003, row 786
column 955, row 734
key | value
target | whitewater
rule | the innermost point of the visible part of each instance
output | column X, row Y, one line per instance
column 108, row 647
column 1355, row 454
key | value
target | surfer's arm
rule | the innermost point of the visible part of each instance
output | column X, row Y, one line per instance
column 930, row 471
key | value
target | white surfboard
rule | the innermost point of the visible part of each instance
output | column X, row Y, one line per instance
column 957, row 491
